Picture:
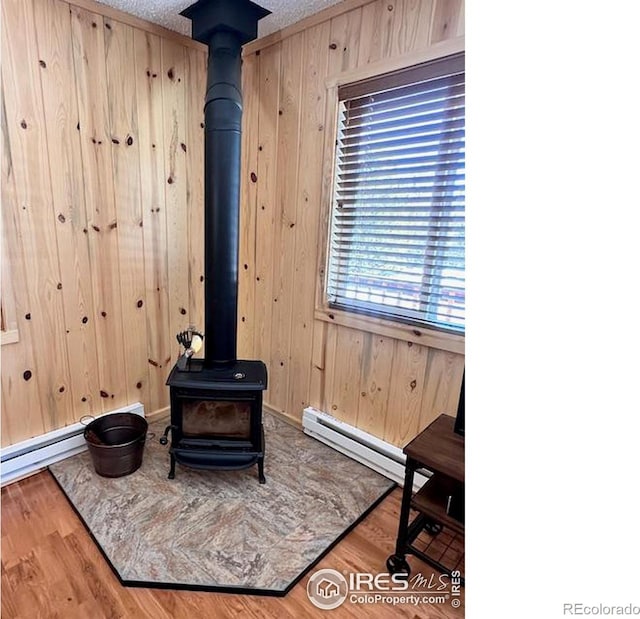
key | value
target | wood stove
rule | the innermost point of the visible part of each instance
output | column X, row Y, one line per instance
column 216, row 416
column 216, row 402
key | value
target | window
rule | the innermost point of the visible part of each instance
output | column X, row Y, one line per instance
column 397, row 227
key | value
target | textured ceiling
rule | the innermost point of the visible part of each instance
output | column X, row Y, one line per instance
column 167, row 12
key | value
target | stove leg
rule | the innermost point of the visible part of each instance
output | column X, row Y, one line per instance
column 172, row 470
column 261, row 477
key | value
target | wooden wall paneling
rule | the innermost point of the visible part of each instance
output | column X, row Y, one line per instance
column 335, row 10
column 343, row 55
column 417, row 16
column 53, row 32
column 19, row 393
column 148, row 67
column 380, row 30
column 375, row 383
column 196, row 79
column 269, row 98
column 247, row 319
column 448, row 20
column 392, row 28
column 5, row 426
column 369, row 44
column 312, row 138
column 405, row 395
column 344, row 396
column 173, row 95
column 8, row 317
column 318, row 374
column 345, row 42
column 87, row 34
column 139, row 23
column 288, row 164
column 35, row 217
column 443, row 378
column 329, row 348
column 125, row 155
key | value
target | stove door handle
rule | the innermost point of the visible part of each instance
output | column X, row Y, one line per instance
column 163, row 439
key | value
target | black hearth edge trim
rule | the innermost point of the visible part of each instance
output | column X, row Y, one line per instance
column 237, row 590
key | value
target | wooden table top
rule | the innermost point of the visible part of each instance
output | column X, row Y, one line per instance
column 439, row 448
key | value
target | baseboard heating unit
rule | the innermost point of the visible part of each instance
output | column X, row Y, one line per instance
column 386, row 459
column 27, row 457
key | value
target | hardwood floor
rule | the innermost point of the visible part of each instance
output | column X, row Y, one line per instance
column 51, row 568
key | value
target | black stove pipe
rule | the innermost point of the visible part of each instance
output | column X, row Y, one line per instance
column 224, row 25
column 223, row 120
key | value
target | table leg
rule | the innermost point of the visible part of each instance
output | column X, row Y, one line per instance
column 397, row 563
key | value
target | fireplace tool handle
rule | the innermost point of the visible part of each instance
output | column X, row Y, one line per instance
column 163, row 439
column 191, row 341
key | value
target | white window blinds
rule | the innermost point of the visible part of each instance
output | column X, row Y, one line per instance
column 397, row 228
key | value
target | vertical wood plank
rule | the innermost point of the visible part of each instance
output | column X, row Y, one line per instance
column 87, row 32
column 443, row 378
column 405, row 397
column 285, row 218
column 148, row 66
column 393, row 28
column 448, row 20
column 344, row 35
column 53, row 31
column 35, row 215
column 17, row 393
column 345, row 397
column 345, row 41
column 312, row 138
column 125, row 155
column 369, row 44
column 416, row 19
column 175, row 184
column 318, row 373
column 8, row 315
column 380, row 31
column 269, row 93
column 247, row 319
column 329, row 366
column 375, row 379
column 196, row 79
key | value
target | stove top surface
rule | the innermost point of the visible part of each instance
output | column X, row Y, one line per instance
column 242, row 375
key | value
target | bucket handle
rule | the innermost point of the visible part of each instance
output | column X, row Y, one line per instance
column 150, row 435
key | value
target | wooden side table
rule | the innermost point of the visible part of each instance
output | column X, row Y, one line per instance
column 440, row 450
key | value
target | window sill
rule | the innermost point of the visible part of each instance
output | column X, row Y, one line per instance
column 418, row 335
column 9, row 337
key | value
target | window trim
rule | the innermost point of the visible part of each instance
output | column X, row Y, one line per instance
column 426, row 336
